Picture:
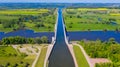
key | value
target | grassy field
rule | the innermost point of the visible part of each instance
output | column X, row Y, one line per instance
column 9, row 57
column 7, row 50
column 80, row 19
column 76, row 19
column 81, row 60
column 23, row 11
column 39, row 20
column 40, row 62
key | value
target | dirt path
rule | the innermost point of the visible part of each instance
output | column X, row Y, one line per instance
column 36, row 59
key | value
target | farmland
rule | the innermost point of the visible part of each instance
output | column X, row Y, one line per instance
column 39, row 20
column 83, row 19
column 76, row 19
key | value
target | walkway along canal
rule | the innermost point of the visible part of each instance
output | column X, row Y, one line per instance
column 60, row 55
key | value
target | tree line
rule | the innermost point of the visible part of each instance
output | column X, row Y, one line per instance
column 23, row 40
column 98, row 49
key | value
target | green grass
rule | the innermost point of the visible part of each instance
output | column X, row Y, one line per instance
column 85, row 27
column 4, row 29
column 81, row 60
column 4, row 17
column 14, row 60
column 6, row 50
column 24, row 11
column 40, row 62
column 7, row 55
column 34, row 16
column 88, row 19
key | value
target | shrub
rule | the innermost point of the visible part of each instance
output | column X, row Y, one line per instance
column 44, row 39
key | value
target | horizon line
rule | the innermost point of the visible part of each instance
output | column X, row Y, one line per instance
column 68, row 2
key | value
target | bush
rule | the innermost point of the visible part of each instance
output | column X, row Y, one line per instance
column 70, row 26
column 104, row 65
column 21, row 62
column 30, row 41
column 27, row 65
column 15, row 65
column 38, row 40
column 7, row 64
column 44, row 39
column 24, row 54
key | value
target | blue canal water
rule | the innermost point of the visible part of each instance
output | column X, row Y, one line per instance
column 60, row 55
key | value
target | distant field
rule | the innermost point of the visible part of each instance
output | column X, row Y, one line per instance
column 39, row 20
column 24, row 11
column 113, row 14
column 80, row 19
column 92, row 9
column 76, row 19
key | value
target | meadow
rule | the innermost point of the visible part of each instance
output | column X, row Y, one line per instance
column 83, row 19
column 11, row 57
column 39, row 20
column 76, row 19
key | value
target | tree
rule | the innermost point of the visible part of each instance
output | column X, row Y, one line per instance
column 30, row 41
column 38, row 40
column 5, row 41
column 40, row 25
column 70, row 26
column 78, row 16
column 0, row 43
column 112, row 41
column 44, row 39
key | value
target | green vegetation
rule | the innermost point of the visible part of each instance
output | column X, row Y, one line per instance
column 98, row 49
column 40, row 62
column 81, row 60
column 84, row 19
column 23, row 40
column 10, row 58
column 39, row 20
column 105, row 65
column 6, row 51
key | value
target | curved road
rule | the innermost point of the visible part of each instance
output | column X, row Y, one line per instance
column 60, row 55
